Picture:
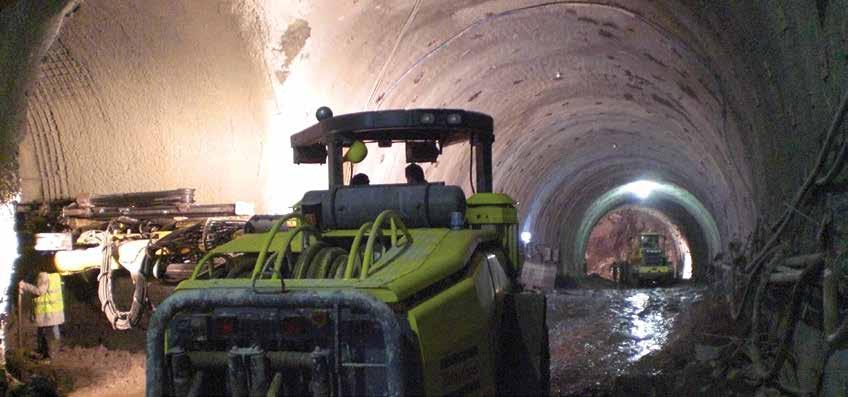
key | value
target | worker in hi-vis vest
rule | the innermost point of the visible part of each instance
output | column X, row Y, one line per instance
column 48, row 310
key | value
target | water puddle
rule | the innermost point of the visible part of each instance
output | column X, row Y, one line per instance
column 597, row 335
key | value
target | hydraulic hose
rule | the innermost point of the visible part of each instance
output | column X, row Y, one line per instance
column 737, row 308
column 120, row 319
column 834, row 125
column 756, row 264
column 792, row 314
column 838, row 118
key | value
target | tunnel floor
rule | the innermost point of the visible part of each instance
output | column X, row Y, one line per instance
column 636, row 342
column 95, row 360
column 603, row 342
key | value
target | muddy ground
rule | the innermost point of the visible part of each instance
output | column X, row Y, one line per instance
column 604, row 342
column 664, row 341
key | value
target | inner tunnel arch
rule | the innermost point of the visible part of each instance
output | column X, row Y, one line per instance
column 683, row 208
column 611, row 240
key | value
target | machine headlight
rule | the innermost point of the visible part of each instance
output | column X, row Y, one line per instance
column 454, row 118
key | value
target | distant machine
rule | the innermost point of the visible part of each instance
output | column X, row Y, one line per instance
column 647, row 263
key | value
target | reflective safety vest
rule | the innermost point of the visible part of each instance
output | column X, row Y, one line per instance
column 49, row 308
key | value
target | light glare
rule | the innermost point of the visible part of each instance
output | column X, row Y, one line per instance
column 641, row 189
column 525, row 237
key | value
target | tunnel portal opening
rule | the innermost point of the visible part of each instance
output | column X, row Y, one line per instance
column 612, row 236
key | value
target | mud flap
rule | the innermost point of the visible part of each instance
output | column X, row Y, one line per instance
column 523, row 345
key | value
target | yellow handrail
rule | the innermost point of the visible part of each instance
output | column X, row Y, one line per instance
column 278, row 262
column 354, row 250
column 376, row 229
column 269, row 237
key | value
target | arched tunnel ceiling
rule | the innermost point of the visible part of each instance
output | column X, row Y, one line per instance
column 587, row 96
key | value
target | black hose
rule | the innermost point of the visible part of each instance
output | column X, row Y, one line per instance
column 736, row 308
column 836, row 167
column 834, row 125
column 793, row 312
column 810, row 180
column 471, row 169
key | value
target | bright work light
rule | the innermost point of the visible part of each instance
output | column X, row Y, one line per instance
column 641, row 189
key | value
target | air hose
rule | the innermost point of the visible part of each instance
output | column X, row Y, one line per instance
column 753, row 269
column 320, row 261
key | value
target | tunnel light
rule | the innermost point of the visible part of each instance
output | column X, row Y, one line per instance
column 525, row 237
column 244, row 208
column 641, row 189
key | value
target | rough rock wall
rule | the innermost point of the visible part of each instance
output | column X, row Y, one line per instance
column 796, row 55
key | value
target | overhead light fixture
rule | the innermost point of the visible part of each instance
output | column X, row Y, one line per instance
column 525, row 237
column 641, row 189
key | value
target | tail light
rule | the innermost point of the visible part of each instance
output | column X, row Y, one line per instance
column 224, row 326
column 295, row 327
column 320, row 318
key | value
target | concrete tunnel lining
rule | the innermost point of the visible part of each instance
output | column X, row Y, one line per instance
column 693, row 145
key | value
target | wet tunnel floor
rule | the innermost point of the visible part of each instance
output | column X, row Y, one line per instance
column 600, row 336
column 603, row 342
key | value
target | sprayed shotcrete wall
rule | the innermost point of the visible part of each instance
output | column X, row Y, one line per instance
column 142, row 98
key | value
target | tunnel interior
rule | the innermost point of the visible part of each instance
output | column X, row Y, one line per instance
column 600, row 96
column 718, row 107
column 587, row 97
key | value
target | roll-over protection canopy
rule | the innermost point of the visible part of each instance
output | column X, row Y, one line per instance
column 324, row 141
